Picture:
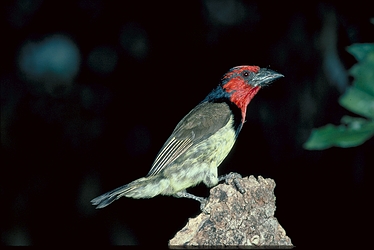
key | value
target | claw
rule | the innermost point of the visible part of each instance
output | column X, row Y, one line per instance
column 238, row 186
column 203, row 205
column 233, row 178
column 184, row 194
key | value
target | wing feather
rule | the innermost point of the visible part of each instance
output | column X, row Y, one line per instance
column 198, row 125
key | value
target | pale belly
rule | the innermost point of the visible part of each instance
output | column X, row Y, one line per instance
column 200, row 163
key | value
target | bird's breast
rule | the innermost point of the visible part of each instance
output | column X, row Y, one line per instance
column 201, row 160
column 219, row 145
column 213, row 150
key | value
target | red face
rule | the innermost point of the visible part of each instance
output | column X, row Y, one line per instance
column 238, row 83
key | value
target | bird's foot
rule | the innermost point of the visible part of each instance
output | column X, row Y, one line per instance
column 184, row 194
column 232, row 178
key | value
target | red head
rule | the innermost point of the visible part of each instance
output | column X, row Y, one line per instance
column 243, row 82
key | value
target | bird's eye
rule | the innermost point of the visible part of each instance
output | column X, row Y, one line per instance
column 245, row 74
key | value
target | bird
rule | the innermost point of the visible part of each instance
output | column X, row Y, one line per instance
column 200, row 141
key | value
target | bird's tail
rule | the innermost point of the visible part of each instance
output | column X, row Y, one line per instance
column 146, row 187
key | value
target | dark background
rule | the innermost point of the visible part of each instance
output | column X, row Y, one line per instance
column 90, row 91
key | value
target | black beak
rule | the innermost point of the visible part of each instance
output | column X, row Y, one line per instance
column 265, row 77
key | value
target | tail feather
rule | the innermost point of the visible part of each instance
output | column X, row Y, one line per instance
column 107, row 198
column 146, row 187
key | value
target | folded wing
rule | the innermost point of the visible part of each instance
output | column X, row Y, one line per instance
column 198, row 125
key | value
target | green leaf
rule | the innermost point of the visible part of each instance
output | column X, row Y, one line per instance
column 359, row 98
column 358, row 101
column 360, row 50
column 363, row 74
column 353, row 122
column 356, row 132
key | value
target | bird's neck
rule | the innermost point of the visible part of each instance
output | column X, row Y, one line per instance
column 217, row 95
column 238, row 108
column 241, row 94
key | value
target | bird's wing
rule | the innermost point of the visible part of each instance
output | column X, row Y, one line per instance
column 199, row 124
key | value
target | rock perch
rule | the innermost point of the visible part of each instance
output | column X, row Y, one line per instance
column 231, row 218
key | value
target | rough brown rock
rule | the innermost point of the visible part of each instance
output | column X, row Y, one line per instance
column 232, row 218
